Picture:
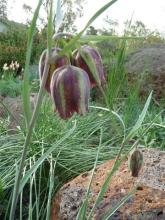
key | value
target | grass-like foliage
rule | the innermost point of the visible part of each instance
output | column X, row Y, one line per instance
column 44, row 154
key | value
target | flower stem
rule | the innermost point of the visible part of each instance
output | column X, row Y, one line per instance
column 27, row 141
column 34, row 116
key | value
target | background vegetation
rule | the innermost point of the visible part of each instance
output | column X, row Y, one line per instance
column 76, row 153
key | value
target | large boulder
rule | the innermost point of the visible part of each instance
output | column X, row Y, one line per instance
column 147, row 203
column 147, row 65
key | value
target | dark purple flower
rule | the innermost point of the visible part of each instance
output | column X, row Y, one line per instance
column 135, row 162
column 55, row 62
column 70, row 89
column 96, row 60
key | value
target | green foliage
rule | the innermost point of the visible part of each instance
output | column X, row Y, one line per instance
column 10, row 88
column 13, row 45
column 76, row 154
column 116, row 77
column 9, row 53
column 139, row 29
column 60, row 150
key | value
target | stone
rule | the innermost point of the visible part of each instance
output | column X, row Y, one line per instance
column 16, row 108
column 147, row 203
column 148, row 67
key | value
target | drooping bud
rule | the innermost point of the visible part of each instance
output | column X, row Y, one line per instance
column 55, row 62
column 135, row 162
column 70, row 90
column 93, row 67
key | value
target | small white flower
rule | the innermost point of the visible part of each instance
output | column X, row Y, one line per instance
column 11, row 66
column 5, row 68
column 5, row 65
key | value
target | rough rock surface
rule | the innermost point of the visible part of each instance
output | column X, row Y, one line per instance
column 147, row 203
column 148, row 65
column 16, row 108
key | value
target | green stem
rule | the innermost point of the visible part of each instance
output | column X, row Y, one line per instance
column 26, row 89
column 34, row 116
column 27, row 141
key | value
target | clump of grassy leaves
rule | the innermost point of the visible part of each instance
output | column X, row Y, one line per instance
column 60, row 150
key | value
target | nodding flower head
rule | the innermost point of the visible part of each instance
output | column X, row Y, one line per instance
column 91, row 54
column 70, row 90
column 135, row 162
column 56, row 61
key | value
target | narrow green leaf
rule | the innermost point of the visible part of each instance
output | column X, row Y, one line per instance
column 82, row 211
column 51, row 185
column 118, row 162
column 141, row 119
column 26, row 88
column 71, row 44
column 99, row 12
column 104, row 188
column 42, row 158
column 115, row 114
column 14, row 192
column 50, row 28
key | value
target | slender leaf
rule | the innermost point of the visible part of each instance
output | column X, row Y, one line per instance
column 82, row 210
column 118, row 162
column 104, row 187
column 43, row 157
column 26, row 88
column 77, row 37
column 141, row 118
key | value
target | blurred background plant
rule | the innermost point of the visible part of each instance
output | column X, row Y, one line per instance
column 76, row 154
column 12, row 71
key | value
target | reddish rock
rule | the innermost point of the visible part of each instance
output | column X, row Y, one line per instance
column 147, row 203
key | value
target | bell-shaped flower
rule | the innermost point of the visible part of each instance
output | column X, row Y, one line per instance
column 89, row 59
column 56, row 61
column 70, row 90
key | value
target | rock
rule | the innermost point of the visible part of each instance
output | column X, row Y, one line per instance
column 148, row 66
column 16, row 108
column 147, row 203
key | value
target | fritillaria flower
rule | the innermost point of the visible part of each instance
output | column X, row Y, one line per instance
column 56, row 61
column 135, row 162
column 70, row 90
column 95, row 58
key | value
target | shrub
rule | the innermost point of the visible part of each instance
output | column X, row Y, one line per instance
column 9, row 53
column 10, row 88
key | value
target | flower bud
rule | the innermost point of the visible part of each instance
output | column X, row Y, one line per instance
column 135, row 162
column 55, row 62
column 91, row 53
column 70, row 90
